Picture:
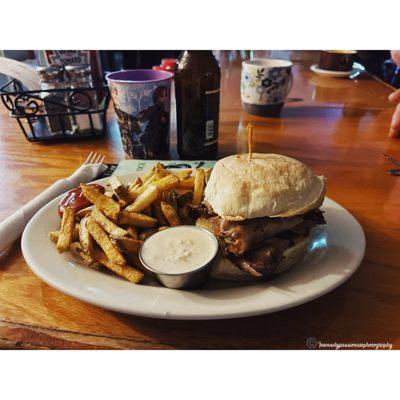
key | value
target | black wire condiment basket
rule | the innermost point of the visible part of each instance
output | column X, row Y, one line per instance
column 30, row 109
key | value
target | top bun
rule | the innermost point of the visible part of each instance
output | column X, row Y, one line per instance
column 269, row 185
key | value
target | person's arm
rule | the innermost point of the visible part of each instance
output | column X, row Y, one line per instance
column 395, row 124
column 395, row 54
column 395, row 99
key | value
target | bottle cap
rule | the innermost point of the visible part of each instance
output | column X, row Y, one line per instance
column 77, row 71
column 49, row 74
column 168, row 64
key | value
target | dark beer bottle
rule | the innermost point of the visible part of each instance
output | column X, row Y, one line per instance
column 197, row 87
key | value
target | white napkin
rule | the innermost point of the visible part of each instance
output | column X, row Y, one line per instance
column 12, row 227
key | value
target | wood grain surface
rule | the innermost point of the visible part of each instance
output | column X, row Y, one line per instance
column 338, row 127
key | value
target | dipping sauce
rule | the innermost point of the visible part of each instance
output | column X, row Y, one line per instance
column 75, row 198
column 179, row 250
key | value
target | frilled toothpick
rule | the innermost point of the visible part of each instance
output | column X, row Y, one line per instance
column 250, row 139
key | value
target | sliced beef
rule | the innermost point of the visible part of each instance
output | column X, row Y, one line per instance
column 262, row 262
column 201, row 210
column 239, row 237
column 316, row 216
column 257, row 245
column 311, row 219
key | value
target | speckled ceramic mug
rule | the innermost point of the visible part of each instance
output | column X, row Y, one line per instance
column 265, row 84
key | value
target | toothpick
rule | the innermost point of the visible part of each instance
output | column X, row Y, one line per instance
column 250, row 138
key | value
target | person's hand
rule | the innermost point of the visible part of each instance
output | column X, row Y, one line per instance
column 395, row 124
column 395, row 55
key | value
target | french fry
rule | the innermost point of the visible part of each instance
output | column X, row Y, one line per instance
column 115, row 231
column 158, row 213
column 143, row 200
column 116, row 184
column 183, row 174
column 137, row 191
column 167, row 183
column 198, row 186
column 85, row 238
column 187, row 183
column 126, row 271
column 137, row 220
column 148, row 175
column 132, row 231
column 147, row 210
column 83, row 212
column 106, row 233
column 105, row 204
column 158, row 176
column 102, row 239
column 67, row 230
column 170, row 214
column 82, row 257
column 53, row 236
column 159, row 166
column 130, row 245
column 159, row 171
column 136, row 183
column 147, row 233
column 120, row 191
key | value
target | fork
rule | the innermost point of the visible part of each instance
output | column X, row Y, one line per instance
column 94, row 158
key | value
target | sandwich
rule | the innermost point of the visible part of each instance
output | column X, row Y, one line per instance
column 262, row 210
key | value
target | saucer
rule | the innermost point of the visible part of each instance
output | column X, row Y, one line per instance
column 333, row 74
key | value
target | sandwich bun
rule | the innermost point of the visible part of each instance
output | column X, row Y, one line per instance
column 268, row 185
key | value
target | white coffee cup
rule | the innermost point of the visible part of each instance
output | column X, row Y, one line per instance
column 265, row 84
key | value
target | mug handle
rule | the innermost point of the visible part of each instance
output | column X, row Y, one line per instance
column 290, row 84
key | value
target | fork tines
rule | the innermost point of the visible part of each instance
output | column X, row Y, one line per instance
column 94, row 158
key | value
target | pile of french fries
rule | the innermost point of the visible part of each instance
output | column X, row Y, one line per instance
column 110, row 232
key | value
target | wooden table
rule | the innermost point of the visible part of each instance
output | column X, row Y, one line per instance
column 338, row 127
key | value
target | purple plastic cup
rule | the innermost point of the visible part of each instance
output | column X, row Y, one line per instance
column 142, row 103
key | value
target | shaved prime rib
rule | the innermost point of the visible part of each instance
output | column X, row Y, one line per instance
column 239, row 237
column 257, row 245
column 264, row 261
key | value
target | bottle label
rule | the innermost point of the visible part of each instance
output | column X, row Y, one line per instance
column 210, row 129
column 67, row 57
column 211, row 114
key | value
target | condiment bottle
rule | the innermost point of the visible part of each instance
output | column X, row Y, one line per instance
column 54, row 102
column 167, row 64
column 60, row 58
column 197, row 88
column 79, row 77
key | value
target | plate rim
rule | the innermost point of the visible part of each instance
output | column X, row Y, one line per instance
column 187, row 316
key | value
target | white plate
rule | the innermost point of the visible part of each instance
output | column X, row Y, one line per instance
column 333, row 74
column 336, row 252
